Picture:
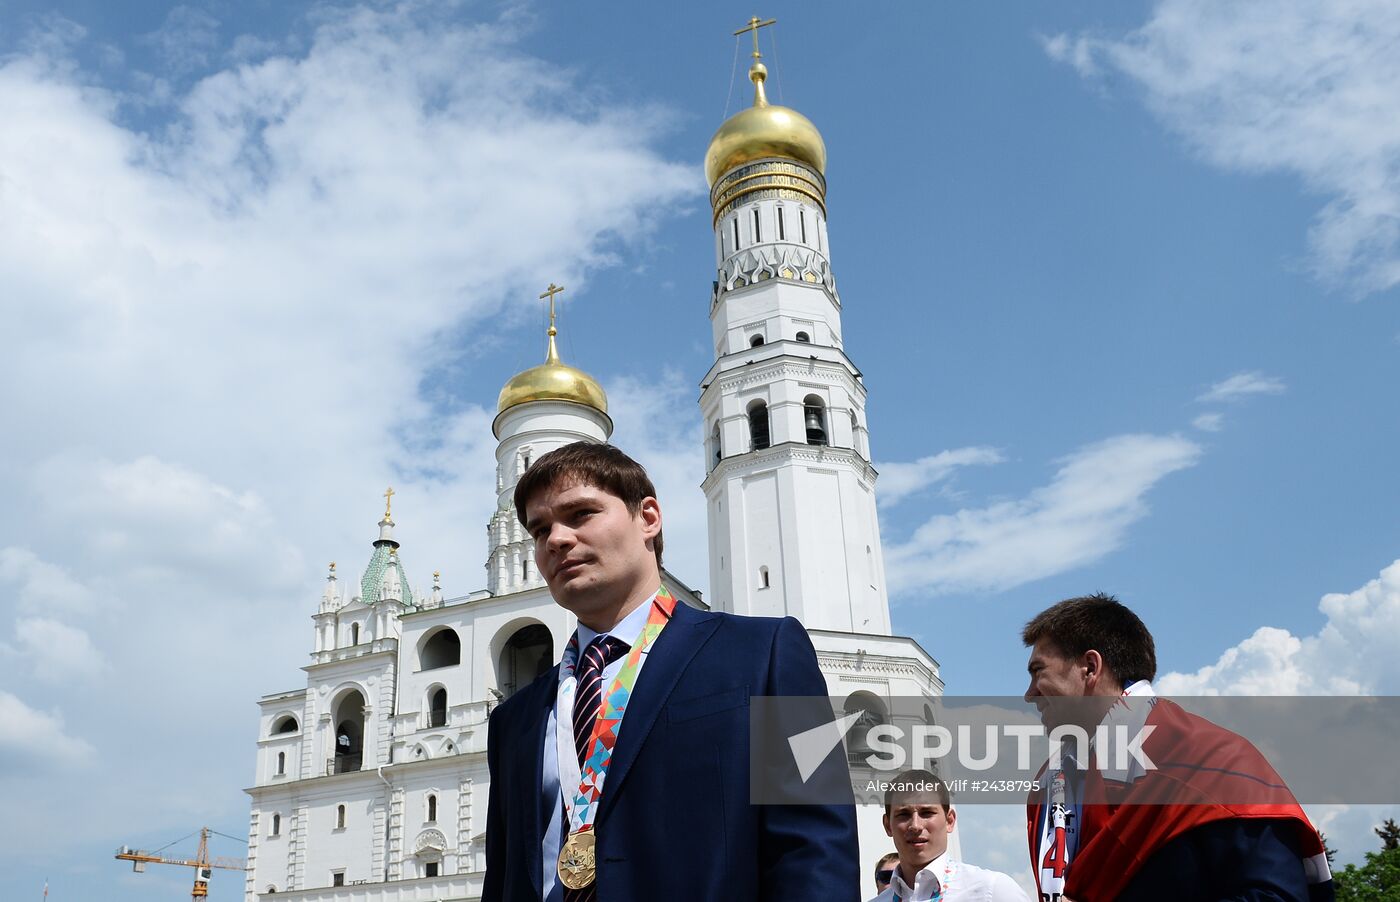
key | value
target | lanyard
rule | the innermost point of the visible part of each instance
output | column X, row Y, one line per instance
column 583, row 787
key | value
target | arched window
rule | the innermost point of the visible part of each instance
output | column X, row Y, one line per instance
column 442, row 649
column 287, row 724
column 872, row 714
column 527, row 654
column 756, row 341
column 525, row 569
column 437, row 708
column 276, row 825
column 340, row 817
column 814, row 418
column 758, row 426
column 354, row 634
column 716, row 451
column 782, row 232
column 349, row 732
column 281, row 763
column 763, row 577
column 432, row 808
column 804, row 338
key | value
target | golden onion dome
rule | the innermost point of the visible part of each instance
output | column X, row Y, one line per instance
column 552, row 381
column 762, row 131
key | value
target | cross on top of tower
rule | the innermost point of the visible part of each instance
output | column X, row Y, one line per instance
column 754, row 25
column 388, row 497
column 550, row 292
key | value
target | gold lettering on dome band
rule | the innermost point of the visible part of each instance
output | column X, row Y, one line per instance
column 767, row 180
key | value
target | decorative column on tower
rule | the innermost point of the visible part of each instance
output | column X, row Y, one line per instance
column 790, row 489
column 543, row 408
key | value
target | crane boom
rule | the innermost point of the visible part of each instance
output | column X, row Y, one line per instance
column 201, row 863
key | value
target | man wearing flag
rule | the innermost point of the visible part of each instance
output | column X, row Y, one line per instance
column 1210, row 819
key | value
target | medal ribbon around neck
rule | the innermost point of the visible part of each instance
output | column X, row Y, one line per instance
column 583, row 787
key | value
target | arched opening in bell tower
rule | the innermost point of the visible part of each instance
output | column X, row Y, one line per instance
column 872, row 713
column 437, row 707
column 526, row 655
column 349, row 732
column 441, row 649
column 814, row 419
column 758, row 426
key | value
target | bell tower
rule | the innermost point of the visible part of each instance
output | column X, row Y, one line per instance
column 783, row 406
column 543, row 408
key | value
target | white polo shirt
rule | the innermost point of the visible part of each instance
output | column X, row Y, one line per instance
column 949, row 880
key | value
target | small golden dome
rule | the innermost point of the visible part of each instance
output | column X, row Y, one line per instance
column 761, row 131
column 552, row 381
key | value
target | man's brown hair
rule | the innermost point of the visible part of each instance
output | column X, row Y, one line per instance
column 917, row 784
column 589, row 463
column 1104, row 624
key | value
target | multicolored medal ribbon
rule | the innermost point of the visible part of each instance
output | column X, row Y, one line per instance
column 577, row 858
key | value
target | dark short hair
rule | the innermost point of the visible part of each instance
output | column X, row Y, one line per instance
column 1104, row 624
column 917, row 784
column 589, row 463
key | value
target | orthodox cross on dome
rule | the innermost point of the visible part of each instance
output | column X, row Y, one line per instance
column 388, row 498
column 550, row 292
column 754, row 25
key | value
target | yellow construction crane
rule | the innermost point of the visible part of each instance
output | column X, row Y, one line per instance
column 203, row 865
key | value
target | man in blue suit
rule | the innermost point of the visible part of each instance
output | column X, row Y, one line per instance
column 623, row 774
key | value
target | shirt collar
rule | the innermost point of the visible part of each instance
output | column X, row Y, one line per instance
column 628, row 630
column 923, row 881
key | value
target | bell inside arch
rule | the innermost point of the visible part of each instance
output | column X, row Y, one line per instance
column 816, row 425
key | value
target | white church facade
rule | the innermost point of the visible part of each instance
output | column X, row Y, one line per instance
column 371, row 781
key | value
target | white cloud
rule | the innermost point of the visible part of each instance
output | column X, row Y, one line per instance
column 57, row 652
column 34, row 738
column 1241, row 386
column 116, row 509
column 1074, row 51
column 223, row 325
column 186, row 39
column 1082, row 515
column 900, row 480
column 1306, row 87
column 658, row 423
column 1353, row 653
column 1209, row 422
column 41, row 586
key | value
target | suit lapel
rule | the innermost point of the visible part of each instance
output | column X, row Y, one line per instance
column 667, row 660
column 537, row 713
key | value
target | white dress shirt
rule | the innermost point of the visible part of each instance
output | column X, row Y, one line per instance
column 629, row 631
column 956, row 881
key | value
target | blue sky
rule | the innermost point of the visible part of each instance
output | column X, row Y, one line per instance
column 1121, row 283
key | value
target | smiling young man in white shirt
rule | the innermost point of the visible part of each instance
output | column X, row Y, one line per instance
column 919, row 816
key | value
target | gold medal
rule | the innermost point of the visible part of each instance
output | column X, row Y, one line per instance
column 577, row 863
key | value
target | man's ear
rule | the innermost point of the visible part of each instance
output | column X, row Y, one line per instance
column 885, row 819
column 952, row 818
column 649, row 512
column 1098, row 679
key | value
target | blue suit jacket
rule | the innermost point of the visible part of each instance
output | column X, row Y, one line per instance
column 675, row 821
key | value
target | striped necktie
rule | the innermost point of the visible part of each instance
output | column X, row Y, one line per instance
column 588, row 702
